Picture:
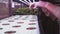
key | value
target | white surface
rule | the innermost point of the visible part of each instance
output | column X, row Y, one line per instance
column 22, row 29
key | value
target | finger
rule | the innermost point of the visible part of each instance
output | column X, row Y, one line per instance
column 35, row 7
column 31, row 6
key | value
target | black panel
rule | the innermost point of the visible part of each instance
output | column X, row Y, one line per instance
column 53, row 1
column 49, row 26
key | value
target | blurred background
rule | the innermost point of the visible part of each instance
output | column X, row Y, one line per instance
column 9, row 7
column 14, row 7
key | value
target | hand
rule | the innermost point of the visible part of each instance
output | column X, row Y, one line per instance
column 37, row 4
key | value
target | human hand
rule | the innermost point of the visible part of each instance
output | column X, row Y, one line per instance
column 34, row 5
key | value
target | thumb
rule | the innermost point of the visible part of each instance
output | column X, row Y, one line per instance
column 31, row 5
column 35, row 7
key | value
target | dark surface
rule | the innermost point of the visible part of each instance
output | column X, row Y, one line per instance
column 53, row 1
column 46, row 24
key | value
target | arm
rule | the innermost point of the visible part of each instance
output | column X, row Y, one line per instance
column 54, row 9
